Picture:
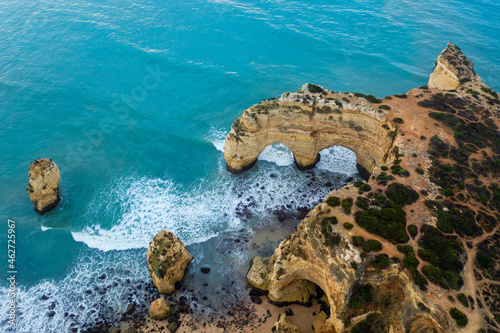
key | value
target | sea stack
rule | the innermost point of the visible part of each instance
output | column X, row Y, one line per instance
column 43, row 185
column 452, row 69
column 167, row 261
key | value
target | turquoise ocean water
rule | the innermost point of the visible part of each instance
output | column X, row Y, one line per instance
column 132, row 101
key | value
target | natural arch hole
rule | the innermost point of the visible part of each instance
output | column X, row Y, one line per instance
column 278, row 154
column 338, row 159
column 335, row 159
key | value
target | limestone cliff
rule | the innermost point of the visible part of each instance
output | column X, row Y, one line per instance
column 453, row 69
column 167, row 261
column 308, row 121
column 414, row 249
column 43, row 185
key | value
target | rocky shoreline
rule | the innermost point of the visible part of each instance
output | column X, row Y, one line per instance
column 413, row 248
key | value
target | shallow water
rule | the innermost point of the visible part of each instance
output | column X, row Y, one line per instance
column 132, row 101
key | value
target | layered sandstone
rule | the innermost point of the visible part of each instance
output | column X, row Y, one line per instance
column 308, row 122
column 283, row 325
column 305, row 257
column 167, row 261
column 441, row 144
column 452, row 69
column 43, row 185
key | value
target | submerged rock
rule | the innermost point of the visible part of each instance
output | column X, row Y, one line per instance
column 159, row 308
column 43, row 185
column 167, row 261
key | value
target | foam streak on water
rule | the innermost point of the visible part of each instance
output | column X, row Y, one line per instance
column 142, row 207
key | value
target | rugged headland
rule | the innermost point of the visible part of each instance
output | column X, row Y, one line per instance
column 415, row 247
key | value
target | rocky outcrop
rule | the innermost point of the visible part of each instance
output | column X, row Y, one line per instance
column 283, row 325
column 305, row 256
column 43, row 185
column 307, row 122
column 159, row 308
column 167, row 261
column 439, row 146
column 452, row 69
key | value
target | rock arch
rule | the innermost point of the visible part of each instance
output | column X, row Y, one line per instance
column 307, row 123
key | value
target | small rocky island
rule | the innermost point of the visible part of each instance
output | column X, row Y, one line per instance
column 414, row 248
column 43, row 185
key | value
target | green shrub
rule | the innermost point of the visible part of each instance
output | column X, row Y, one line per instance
column 463, row 299
column 381, row 261
column 389, row 223
column 331, row 220
column 357, row 240
column 348, row 226
column 412, row 230
column 398, row 120
column 331, row 238
column 401, row 195
column 434, row 275
column 369, row 98
column 365, row 188
column 384, row 168
column 451, row 299
column 333, row 201
column 314, row 88
column 459, row 218
column 401, row 96
column 490, row 91
column 447, row 250
column 362, row 203
column 398, row 170
column 372, row 245
column 459, row 317
column 384, row 176
column 358, row 184
column 361, row 294
column 379, row 199
column 347, row 205
column 483, row 259
column 429, row 256
column 384, row 107
column 420, row 171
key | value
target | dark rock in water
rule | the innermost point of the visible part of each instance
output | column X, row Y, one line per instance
column 51, row 314
column 272, row 175
column 205, row 270
column 130, row 309
column 88, row 291
column 45, row 297
column 173, row 326
column 102, row 277
column 301, row 215
column 349, row 179
column 256, row 299
column 243, row 210
column 328, row 184
column 289, row 312
column 281, row 214
column 52, row 306
column 256, row 292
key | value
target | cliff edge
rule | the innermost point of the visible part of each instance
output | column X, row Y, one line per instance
column 415, row 247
